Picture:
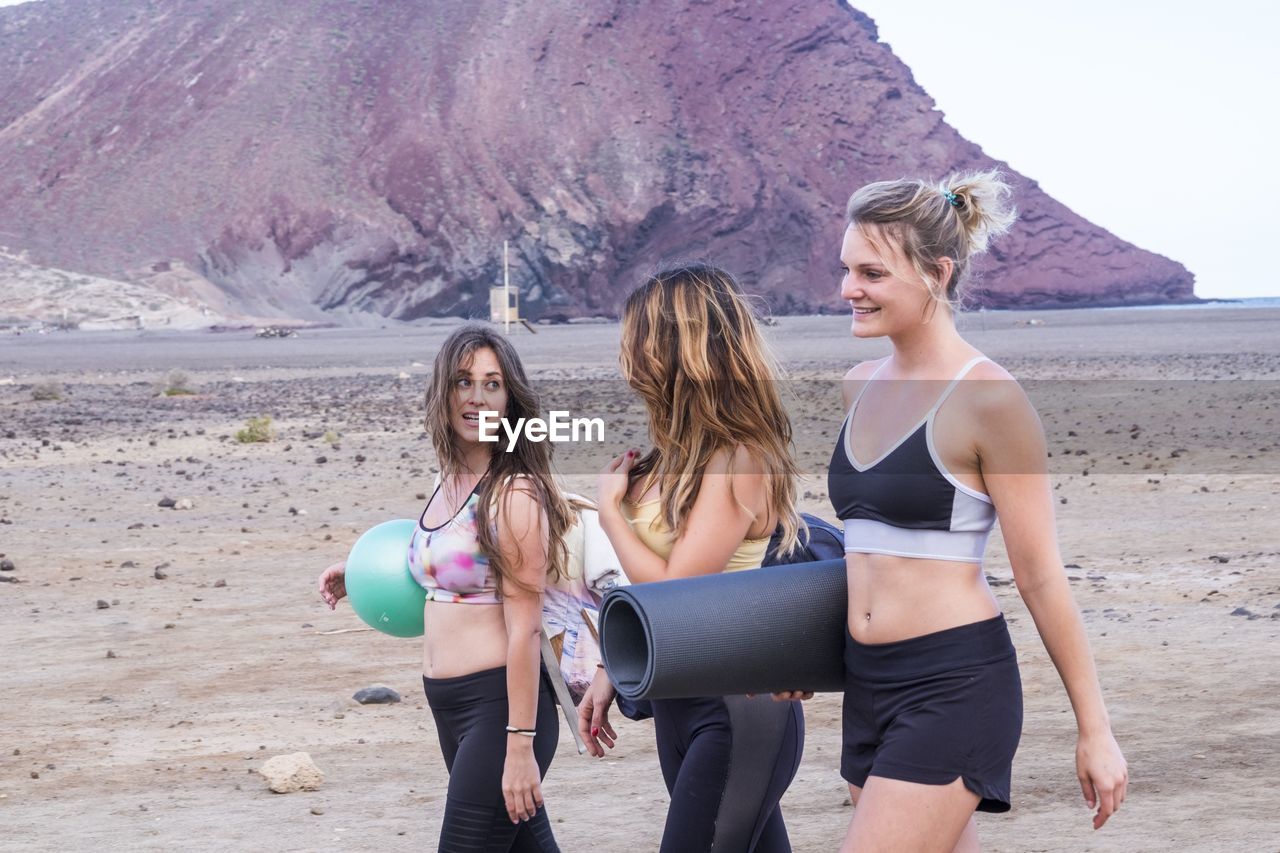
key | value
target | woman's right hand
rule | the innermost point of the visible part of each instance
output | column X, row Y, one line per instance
column 333, row 584
column 593, row 715
column 614, row 480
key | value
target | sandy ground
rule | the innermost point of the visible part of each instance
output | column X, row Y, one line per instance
column 139, row 725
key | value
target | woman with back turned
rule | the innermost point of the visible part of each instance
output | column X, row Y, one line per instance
column 938, row 442
column 705, row 499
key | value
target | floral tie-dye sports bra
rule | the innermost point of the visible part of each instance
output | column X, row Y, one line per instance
column 446, row 561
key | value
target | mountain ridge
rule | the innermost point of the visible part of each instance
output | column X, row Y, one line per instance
column 323, row 160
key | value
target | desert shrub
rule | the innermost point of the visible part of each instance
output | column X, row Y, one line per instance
column 175, row 384
column 47, row 391
column 255, row 430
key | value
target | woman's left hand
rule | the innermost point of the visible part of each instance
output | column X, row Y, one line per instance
column 521, row 782
column 593, row 715
column 1103, row 774
column 792, row 696
column 614, row 479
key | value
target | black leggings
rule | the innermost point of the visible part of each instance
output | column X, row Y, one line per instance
column 471, row 721
column 727, row 762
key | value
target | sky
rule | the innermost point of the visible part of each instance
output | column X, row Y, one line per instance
column 1151, row 119
column 1154, row 120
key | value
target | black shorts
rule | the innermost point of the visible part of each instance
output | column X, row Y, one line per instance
column 935, row 708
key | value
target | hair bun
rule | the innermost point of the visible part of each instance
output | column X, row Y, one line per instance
column 982, row 200
column 929, row 220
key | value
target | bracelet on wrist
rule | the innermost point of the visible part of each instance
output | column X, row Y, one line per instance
column 513, row 730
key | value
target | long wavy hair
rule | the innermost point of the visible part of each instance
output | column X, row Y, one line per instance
column 528, row 459
column 692, row 350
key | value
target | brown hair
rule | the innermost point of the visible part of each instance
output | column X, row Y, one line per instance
column 529, row 461
column 693, row 352
column 955, row 218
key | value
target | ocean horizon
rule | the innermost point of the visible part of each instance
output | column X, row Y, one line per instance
column 1242, row 302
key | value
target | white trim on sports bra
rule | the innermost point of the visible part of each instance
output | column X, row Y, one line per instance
column 866, row 536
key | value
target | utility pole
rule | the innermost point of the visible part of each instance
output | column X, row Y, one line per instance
column 506, row 289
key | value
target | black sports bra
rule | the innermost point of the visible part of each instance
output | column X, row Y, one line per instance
column 906, row 503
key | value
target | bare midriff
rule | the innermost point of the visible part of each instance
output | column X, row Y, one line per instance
column 462, row 638
column 897, row 598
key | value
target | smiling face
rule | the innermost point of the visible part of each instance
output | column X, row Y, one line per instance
column 886, row 294
column 478, row 386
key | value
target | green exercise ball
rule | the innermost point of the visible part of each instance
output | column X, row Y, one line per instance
column 382, row 591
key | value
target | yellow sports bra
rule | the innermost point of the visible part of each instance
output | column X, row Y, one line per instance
column 645, row 519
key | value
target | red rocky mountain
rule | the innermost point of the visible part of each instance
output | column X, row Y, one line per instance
column 328, row 158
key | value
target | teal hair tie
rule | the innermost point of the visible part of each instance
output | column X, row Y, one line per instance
column 952, row 198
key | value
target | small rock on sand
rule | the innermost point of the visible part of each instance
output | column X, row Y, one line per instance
column 7, row 566
column 294, row 772
column 378, row 694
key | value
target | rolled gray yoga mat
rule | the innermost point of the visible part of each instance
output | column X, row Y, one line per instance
column 756, row 631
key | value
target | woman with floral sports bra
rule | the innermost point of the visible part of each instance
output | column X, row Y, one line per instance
column 705, row 499
column 490, row 537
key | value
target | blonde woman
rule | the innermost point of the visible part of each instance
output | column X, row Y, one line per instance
column 717, row 482
column 938, row 442
column 490, row 536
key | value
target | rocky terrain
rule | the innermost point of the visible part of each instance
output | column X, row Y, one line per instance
column 47, row 297
column 321, row 159
column 167, row 645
